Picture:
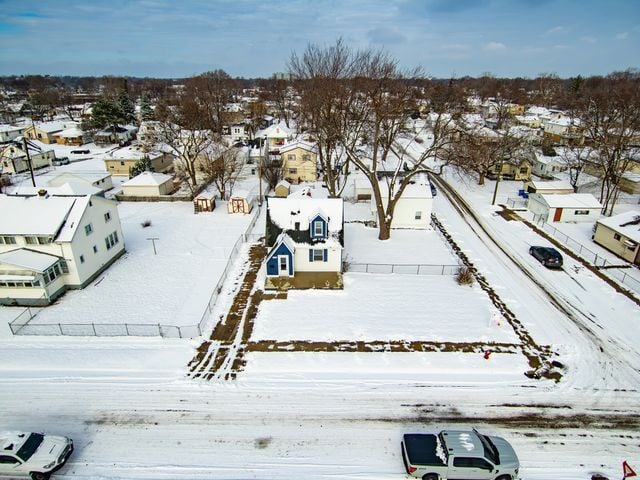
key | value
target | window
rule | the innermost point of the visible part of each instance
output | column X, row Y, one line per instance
column 95, row 249
column 581, row 212
column 524, row 170
column 8, row 460
column 111, row 240
column 122, row 163
column 318, row 255
column 318, row 230
column 8, row 240
column 291, row 157
column 64, row 266
column 283, row 263
column 418, row 216
column 44, row 240
column 616, row 236
column 107, row 216
column 467, row 462
column 31, row 240
column 81, row 258
column 88, row 229
column 293, row 171
column 306, row 157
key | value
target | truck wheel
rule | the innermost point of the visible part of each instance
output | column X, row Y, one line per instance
column 430, row 476
column 39, row 476
column 504, row 477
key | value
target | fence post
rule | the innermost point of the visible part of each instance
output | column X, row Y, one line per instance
column 366, row 269
column 595, row 261
column 126, row 327
column 392, row 267
column 160, row 330
column 60, row 328
column 93, row 325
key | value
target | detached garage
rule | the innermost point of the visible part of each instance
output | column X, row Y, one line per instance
column 570, row 208
column 148, row 184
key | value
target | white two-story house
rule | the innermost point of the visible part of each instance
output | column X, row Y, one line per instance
column 49, row 244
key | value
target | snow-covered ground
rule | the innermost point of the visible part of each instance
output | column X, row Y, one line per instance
column 134, row 414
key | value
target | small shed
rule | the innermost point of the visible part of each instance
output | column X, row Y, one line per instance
column 148, row 184
column 204, row 202
column 571, row 207
column 620, row 234
column 241, row 201
column 553, row 186
column 283, row 188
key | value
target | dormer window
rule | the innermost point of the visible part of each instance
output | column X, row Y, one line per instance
column 318, row 230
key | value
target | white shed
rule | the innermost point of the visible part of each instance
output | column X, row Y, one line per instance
column 241, row 201
column 148, row 184
column 413, row 209
column 570, row 208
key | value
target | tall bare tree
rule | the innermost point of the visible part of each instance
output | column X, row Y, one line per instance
column 609, row 109
column 221, row 165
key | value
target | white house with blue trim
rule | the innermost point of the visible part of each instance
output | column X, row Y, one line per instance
column 304, row 234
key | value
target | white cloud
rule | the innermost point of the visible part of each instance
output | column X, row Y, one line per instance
column 556, row 30
column 622, row 36
column 589, row 39
column 495, row 46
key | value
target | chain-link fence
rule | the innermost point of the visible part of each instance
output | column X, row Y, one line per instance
column 407, row 269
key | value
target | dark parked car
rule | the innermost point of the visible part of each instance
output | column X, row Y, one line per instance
column 81, row 151
column 548, row 256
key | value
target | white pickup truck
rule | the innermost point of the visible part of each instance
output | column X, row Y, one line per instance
column 455, row 454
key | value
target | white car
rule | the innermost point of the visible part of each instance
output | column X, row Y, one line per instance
column 32, row 455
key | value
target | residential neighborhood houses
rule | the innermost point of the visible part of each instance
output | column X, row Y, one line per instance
column 226, row 232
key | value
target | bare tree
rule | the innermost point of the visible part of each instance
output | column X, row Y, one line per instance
column 281, row 93
column 212, row 90
column 220, row 165
column 184, row 130
column 576, row 157
column 609, row 109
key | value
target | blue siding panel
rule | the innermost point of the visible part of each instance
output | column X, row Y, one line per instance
column 272, row 260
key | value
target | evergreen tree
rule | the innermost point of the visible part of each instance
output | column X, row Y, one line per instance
column 146, row 112
column 105, row 113
column 142, row 165
column 126, row 108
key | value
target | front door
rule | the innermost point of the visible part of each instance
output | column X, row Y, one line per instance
column 283, row 265
column 237, row 205
column 557, row 215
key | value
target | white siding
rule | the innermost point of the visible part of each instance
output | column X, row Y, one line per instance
column 301, row 261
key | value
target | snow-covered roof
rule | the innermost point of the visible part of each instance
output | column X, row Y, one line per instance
column 72, row 223
column 25, row 258
column 41, row 215
column 622, row 224
column 70, row 133
column 132, row 152
column 546, row 160
column 277, row 130
column 11, row 128
column 571, row 200
column 533, row 110
column 56, row 126
column 418, row 187
column 148, row 179
column 67, row 189
column 311, row 147
column 551, row 185
column 78, row 176
column 299, row 207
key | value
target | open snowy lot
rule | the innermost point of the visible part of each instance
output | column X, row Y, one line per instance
column 384, row 307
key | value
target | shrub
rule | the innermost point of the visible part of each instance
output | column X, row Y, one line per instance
column 465, row 276
column 146, row 223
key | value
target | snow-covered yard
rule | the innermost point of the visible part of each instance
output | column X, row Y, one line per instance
column 384, row 307
column 171, row 287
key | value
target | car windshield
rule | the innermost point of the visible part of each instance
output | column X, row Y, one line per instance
column 490, row 450
column 30, row 446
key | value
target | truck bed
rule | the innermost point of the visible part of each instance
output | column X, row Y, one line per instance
column 421, row 449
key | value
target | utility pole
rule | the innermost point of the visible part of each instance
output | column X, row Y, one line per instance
column 26, row 149
column 498, row 177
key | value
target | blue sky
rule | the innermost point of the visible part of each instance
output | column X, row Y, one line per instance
column 250, row 38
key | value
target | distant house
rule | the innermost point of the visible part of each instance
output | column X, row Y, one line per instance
column 13, row 157
column 304, row 234
column 148, row 184
column 299, row 162
column 9, row 133
column 546, row 166
column 512, row 169
column 119, row 135
column 49, row 244
column 571, row 207
column 236, row 132
column 620, row 234
column 72, row 136
column 548, row 186
column 150, row 132
column 45, row 132
column 413, row 208
column 277, row 134
column 120, row 161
